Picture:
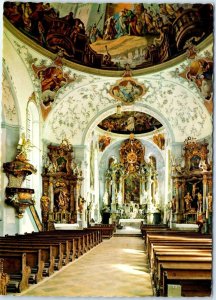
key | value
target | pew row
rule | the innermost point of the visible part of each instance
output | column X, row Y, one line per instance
column 174, row 256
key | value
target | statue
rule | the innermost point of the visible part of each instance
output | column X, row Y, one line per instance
column 199, row 201
column 63, row 200
column 45, row 203
column 173, row 204
column 23, row 147
column 209, row 199
column 81, row 201
column 188, row 199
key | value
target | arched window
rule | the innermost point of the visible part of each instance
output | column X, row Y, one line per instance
column 33, row 134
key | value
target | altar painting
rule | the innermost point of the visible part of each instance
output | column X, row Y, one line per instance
column 132, row 189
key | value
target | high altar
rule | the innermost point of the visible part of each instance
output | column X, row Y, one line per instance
column 131, row 184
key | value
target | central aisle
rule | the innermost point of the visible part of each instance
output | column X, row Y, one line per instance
column 117, row 267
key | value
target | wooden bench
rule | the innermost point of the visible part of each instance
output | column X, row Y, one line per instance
column 33, row 260
column 4, row 279
column 179, row 251
column 193, row 282
column 107, row 231
column 83, row 245
column 46, row 253
column 195, row 266
column 57, row 247
column 15, row 266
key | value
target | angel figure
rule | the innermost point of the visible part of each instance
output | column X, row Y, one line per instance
column 24, row 145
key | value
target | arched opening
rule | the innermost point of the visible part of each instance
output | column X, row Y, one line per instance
column 33, row 134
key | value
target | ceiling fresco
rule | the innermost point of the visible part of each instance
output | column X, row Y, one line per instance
column 112, row 35
column 130, row 121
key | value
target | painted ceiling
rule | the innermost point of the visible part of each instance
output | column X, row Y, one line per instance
column 72, row 102
column 130, row 121
column 109, row 36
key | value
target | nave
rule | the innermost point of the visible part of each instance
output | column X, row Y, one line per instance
column 117, row 267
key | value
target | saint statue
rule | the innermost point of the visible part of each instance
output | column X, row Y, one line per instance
column 173, row 204
column 188, row 199
column 209, row 199
column 199, row 201
column 45, row 203
column 63, row 200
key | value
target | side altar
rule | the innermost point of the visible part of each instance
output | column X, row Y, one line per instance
column 61, row 201
column 192, row 186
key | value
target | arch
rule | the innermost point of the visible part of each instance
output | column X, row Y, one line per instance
column 33, row 134
column 17, row 108
column 139, row 107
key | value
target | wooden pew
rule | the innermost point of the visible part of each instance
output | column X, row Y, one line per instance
column 193, row 282
column 57, row 247
column 4, row 279
column 15, row 266
column 82, row 238
column 33, row 260
column 193, row 266
column 46, row 253
column 181, row 252
column 107, row 230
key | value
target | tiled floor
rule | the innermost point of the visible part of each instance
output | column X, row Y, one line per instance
column 115, row 268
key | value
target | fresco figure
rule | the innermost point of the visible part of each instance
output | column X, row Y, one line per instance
column 110, row 30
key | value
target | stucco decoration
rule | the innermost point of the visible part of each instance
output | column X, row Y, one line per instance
column 127, row 90
column 42, row 63
column 52, row 79
column 174, row 101
column 8, row 103
column 199, row 71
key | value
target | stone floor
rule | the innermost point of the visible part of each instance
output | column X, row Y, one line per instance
column 115, row 268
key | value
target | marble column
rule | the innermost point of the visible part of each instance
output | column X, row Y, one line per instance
column 51, row 194
column 205, row 187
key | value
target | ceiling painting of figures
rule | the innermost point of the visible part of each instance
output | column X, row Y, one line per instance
column 111, row 35
column 129, row 121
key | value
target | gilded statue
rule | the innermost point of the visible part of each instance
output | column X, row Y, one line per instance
column 24, row 146
column 188, row 199
column 199, row 201
column 63, row 200
column 209, row 199
column 45, row 203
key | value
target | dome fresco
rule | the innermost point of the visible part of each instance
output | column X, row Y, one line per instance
column 109, row 36
column 130, row 121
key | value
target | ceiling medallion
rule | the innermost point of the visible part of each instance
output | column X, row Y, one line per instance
column 127, row 90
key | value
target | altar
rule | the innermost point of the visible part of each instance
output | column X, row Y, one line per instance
column 63, row 226
column 135, row 223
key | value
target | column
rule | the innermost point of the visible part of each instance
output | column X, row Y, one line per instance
column 71, row 197
column 113, row 188
column 205, row 188
column 51, row 194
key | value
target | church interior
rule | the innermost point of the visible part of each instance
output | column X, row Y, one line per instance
column 106, row 149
